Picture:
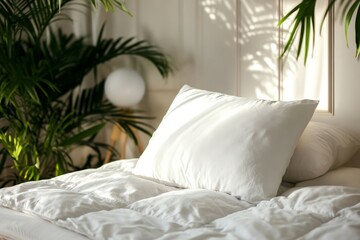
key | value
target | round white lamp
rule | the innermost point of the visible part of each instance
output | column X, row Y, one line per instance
column 124, row 87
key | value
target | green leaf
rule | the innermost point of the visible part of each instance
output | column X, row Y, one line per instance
column 357, row 32
column 2, row 160
column 348, row 19
column 307, row 37
column 59, row 167
column 282, row 20
column 109, row 5
column 123, row 7
column 328, row 9
column 82, row 135
column 305, row 20
column 301, row 38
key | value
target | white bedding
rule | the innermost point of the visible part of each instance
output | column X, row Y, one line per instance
column 112, row 203
column 16, row 225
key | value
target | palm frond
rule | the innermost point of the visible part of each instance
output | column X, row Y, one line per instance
column 90, row 107
column 349, row 14
column 22, row 74
column 305, row 20
column 305, row 13
column 29, row 18
column 70, row 60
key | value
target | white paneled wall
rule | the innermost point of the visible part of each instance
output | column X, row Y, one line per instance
column 258, row 43
column 199, row 36
column 232, row 46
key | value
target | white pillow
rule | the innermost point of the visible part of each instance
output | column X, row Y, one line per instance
column 321, row 147
column 225, row 143
column 343, row 176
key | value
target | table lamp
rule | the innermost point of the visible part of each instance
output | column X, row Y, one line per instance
column 124, row 88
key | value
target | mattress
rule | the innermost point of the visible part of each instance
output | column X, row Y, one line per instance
column 112, row 203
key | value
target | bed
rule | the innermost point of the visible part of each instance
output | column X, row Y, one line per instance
column 202, row 177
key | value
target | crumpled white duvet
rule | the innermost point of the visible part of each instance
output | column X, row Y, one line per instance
column 112, row 203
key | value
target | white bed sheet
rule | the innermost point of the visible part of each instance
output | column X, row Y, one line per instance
column 19, row 226
column 112, row 203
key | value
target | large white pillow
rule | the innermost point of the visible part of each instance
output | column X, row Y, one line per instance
column 225, row 143
column 322, row 147
column 343, row 176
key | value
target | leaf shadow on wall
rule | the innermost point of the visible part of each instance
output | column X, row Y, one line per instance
column 259, row 49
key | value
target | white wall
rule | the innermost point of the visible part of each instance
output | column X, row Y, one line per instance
column 346, row 83
column 231, row 46
column 199, row 36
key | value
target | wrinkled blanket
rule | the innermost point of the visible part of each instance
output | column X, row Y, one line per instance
column 112, row 203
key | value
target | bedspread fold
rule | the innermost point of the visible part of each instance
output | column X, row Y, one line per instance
column 112, row 203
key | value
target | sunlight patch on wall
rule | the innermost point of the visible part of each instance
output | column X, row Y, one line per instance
column 215, row 11
column 255, row 35
column 314, row 80
column 252, row 27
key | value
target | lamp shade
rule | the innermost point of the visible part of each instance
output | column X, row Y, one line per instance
column 124, row 87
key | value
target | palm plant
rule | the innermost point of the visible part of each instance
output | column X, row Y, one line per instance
column 304, row 21
column 44, row 111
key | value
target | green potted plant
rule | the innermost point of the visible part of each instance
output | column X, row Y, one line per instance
column 44, row 111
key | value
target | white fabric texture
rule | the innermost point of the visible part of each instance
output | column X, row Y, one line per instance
column 343, row 176
column 19, row 226
column 225, row 143
column 322, row 147
column 112, row 203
